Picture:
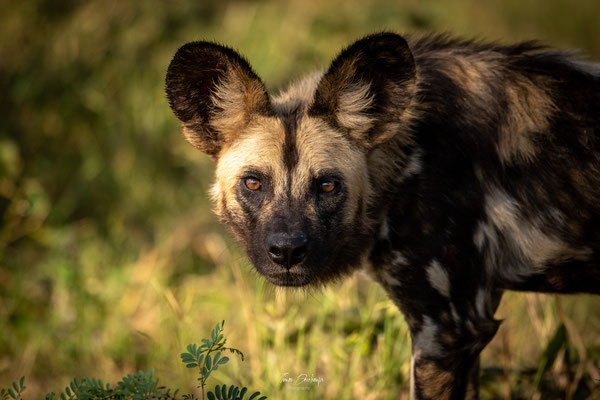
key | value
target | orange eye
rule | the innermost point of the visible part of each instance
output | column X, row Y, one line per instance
column 252, row 183
column 327, row 186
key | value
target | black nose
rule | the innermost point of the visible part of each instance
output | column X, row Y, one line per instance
column 287, row 249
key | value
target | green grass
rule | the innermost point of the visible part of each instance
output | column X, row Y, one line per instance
column 110, row 258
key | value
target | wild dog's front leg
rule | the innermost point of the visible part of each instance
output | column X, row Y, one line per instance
column 450, row 316
column 447, row 338
column 444, row 365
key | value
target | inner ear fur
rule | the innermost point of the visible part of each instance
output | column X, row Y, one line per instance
column 214, row 92
column 367, row 88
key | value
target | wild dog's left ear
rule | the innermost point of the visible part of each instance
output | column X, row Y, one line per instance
column 214, row 92
column 367, row 88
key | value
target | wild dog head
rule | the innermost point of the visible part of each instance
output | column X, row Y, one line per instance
column 292, row 178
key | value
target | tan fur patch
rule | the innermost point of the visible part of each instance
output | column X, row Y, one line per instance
column 529, row 108
column 447, row 338
column 433, row 382
column 259, row 147
column 527, row 237
column 321, row 148
column 353, row 104
column 238, row 99
column 399, row 123
column 472, row 391
column 471, row 73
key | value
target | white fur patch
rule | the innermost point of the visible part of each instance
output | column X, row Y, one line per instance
column 384, row 231
column 589, row 67
column 438, row 278
column 485, row 233
column 414, row 165
column 481, row 302
column 411, row 392
column 425, row 342
column 389, row 279
column 399, row 258
column 455, row 315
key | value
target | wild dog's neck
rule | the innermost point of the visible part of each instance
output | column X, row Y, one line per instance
column 390, row 165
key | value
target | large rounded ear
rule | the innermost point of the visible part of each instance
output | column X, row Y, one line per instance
column 367, row 88
column 214, row 92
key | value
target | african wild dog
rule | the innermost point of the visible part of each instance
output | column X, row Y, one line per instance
column 453, row 170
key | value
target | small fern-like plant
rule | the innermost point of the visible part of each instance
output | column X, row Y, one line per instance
column 207, row 358
column 142, row 385
column 14, row 392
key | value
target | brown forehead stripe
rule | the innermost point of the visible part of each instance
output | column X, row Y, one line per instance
column 290, row 150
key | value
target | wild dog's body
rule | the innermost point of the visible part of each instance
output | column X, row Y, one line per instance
column 459, row 170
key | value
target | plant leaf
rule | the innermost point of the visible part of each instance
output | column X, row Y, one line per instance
column 223, row 360
column 187, row 357
column 549, row 355
column 191, row 348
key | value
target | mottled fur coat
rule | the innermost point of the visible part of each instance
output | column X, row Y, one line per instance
column 451, row 170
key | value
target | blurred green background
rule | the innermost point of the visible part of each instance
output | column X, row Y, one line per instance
column 111, row 259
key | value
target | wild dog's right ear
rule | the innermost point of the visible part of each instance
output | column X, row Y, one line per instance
column 214, row 92
column 367, row 88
